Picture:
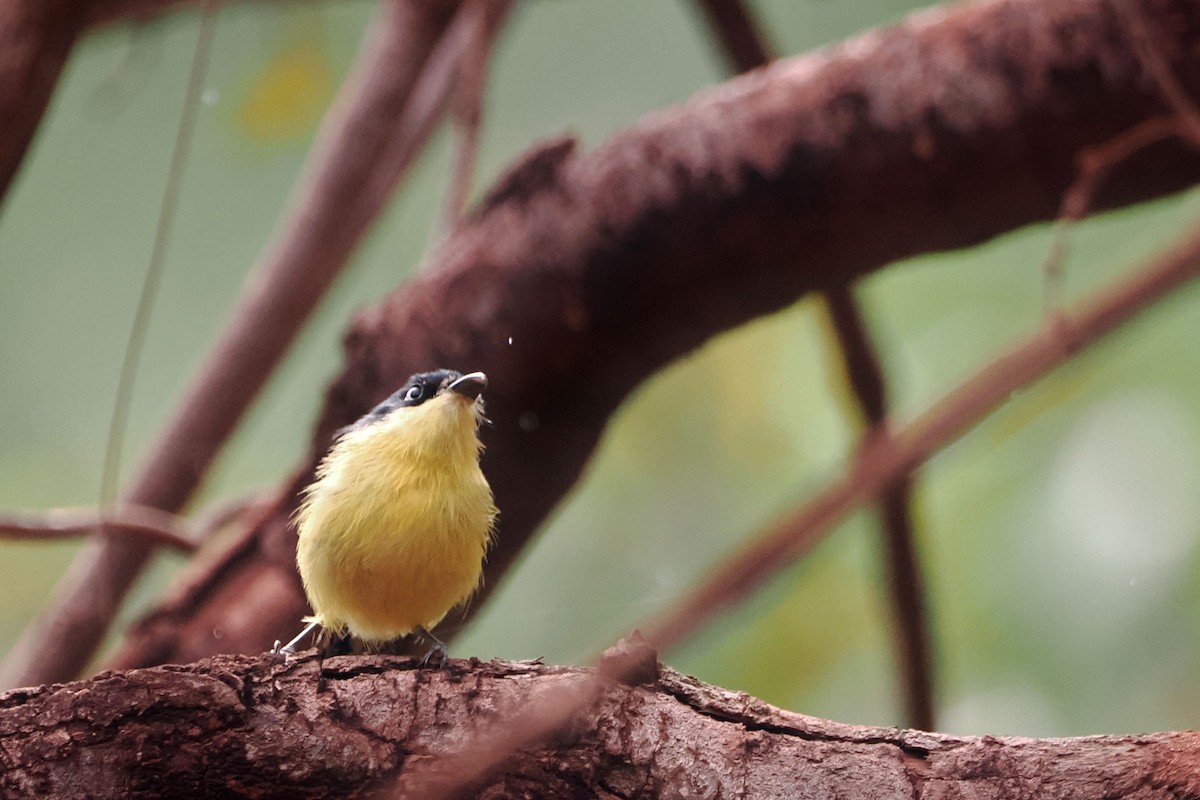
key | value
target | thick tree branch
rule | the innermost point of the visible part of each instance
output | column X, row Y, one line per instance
column 357, row 726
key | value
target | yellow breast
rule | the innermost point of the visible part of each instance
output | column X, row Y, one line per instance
column 394, row 530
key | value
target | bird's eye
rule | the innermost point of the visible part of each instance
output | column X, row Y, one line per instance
column 413, row 393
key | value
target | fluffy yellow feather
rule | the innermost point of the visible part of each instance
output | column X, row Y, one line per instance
column 395, row 527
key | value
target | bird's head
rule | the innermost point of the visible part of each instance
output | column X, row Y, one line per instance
column 431, row 410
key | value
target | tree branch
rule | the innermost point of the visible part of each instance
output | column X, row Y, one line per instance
column 70, row 523
column 361, row 726
column 733, row 25
column 908, row 608
column 467, row 117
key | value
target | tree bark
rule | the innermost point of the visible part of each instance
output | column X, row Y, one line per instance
column 359, row 726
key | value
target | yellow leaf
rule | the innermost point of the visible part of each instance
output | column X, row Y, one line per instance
column 287, row 98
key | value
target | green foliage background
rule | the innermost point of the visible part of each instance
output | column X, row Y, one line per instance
column 1059, row 537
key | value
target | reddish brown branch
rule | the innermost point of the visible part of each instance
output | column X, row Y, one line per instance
column 908, row 608
column 807, row 174
column 734, row 27
column 361, row 726
column 467, row 112
column 140, row 522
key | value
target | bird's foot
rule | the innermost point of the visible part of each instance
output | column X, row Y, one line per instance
column 280, row 649
column 437, row 652
column 289, row 649
column 438, row 649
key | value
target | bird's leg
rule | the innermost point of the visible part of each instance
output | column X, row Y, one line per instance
column 290, row 648
column 438, row 647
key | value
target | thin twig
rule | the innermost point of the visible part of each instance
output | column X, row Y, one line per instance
column 189, row 116
column 745, row 48
column 149, row 524
column 1176, row 97
column 908, row 608
column 889, row 457
column 429, row 101
column 467, row 113
column 1095, row 163
column 909, row 604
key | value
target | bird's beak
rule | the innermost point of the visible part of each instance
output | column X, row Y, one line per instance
column 470, row 385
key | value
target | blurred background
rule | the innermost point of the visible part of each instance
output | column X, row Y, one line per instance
column 1059, row 537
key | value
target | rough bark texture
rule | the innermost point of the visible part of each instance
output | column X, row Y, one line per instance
column 951, row 128
column 356, row 726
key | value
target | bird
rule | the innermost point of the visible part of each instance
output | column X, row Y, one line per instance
column 395, row 527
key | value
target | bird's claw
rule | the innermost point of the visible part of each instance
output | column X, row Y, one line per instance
column 280, row 649
column 441, row 653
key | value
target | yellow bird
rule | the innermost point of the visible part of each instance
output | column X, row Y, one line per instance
column 395, row 527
